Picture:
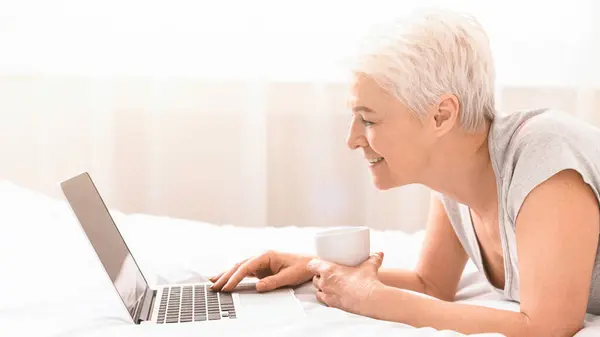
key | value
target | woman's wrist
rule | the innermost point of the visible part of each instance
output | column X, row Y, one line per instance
column 378, row 301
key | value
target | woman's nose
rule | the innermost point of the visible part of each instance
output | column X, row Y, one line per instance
column 355, row 138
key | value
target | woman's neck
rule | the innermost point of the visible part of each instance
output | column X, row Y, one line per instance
column 465, row 173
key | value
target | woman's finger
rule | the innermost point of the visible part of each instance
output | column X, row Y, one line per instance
column 213, row 279
column 316, row 281
column 287, row 276
column 247, row 268
column 327, row 299
column 218, row 285
column 320, row 267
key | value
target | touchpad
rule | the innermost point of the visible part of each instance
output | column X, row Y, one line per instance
column 276, row 303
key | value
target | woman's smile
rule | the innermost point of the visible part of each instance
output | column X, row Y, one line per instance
column 375, row 161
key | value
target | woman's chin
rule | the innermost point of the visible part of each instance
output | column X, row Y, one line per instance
column 382, row 183
column 385, row 182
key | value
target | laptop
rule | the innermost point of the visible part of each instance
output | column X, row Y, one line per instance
column 172, row 303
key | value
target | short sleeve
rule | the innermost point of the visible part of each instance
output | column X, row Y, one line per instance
column 541, row 153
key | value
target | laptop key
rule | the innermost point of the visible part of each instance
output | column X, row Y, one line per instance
column 226, row 298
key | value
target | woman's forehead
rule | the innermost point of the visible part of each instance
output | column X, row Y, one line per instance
column 365, row 92
column 363, row 85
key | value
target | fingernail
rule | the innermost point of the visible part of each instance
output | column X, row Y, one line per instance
column 260, row 286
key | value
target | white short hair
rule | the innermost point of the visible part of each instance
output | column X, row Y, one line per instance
column 431, row 53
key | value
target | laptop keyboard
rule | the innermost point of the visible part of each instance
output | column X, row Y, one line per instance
column 195, row 303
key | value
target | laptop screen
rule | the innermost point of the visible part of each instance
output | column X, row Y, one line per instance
column 103, row 234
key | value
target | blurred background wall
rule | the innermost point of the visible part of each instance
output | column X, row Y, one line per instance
column 231, row 112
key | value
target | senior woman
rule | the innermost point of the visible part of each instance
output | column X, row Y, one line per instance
column 517, row 193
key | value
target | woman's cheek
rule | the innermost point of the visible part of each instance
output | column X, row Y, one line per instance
column 373, row 140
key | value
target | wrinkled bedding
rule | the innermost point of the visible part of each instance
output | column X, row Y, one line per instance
column 52, row 283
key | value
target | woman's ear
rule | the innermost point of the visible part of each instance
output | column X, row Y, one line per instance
column 445, row 114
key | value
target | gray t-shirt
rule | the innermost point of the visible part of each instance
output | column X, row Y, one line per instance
column 527, row 148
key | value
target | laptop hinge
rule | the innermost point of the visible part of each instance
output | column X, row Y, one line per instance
column 144, row 310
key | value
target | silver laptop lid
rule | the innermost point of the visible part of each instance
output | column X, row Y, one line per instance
column 107, row 241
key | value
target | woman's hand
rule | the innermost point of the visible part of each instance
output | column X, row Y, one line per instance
column 275, row 270
column 348, row 288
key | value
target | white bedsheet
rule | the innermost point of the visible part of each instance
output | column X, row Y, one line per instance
column 52, row 284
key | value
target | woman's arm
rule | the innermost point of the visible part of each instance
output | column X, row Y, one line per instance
column 557, row 238
column 441, row 262
column 393, row 304
column 401, row 278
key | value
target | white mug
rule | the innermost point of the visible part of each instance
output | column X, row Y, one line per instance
column 349, row 246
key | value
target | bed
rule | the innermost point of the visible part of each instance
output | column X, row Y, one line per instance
column 53, row 285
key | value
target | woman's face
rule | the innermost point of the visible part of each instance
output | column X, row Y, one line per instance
column 395, row 143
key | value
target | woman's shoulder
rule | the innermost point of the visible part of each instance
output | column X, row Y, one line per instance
column 520, row 127
column 538, row 144
column 529, row 134
column 555, row 123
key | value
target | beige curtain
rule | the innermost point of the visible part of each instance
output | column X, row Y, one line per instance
column 176, row 111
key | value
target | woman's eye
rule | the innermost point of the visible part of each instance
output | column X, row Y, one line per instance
column 367, row 123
